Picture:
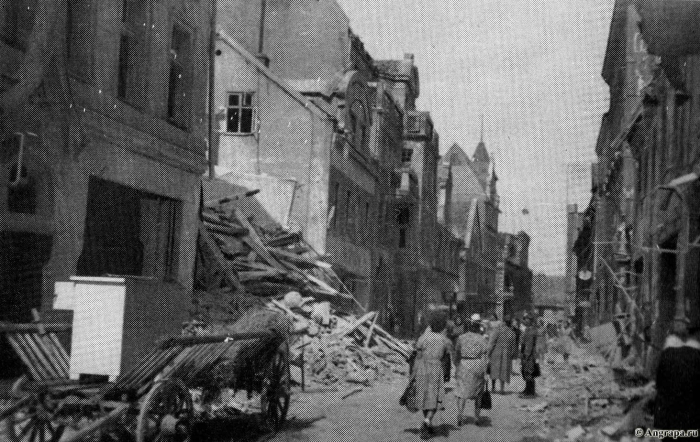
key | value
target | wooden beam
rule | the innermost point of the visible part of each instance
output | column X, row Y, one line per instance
column 253, row 240
column 221, row 261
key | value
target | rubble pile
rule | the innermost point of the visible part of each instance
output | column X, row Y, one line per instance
column 582, row 401
column 236, row 256
column 242, row 265
column 336, row 348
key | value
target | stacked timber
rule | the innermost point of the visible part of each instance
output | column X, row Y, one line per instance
column 341, row 348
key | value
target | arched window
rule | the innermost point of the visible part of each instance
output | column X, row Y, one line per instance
column 358, row 124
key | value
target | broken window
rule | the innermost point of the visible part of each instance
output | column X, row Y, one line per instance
column 131, row 50
column 239, row 114
column 16, row 22
column 179, row 78
column 129, row 232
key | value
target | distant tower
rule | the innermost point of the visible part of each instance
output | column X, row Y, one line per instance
column 482, row 161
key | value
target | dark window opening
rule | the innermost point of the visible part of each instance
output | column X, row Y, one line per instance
column 406, row 155
column 131, row 47
column 239, row 114
column 178, row 82
column 80, row 38
column 413, row 124
column 22, row 197
column 402, row 237
column 129, row 232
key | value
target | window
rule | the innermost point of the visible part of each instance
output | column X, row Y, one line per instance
column 179, row 81
column 239, row 113
column 413, row 124
column 131, row 49
column 80, row 38
column 402, row 219
column 129, row 232
column 16, row 21
column 406, row 155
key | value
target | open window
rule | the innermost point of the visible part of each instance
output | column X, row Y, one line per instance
column 129, row 232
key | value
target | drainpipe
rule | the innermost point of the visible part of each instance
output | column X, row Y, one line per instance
column 212, row 55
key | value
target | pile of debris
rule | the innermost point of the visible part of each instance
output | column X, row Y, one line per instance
column 242, row 265
column 340, row 348
column 582, row 400
column 237, row 257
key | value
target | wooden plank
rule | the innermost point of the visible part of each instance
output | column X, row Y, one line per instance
column 8, row 327
column 358, row 323
column 30, row 341
column 371, row 329
column 221, row 262
column 44, row 374
column 283, row 240
column 228, row 199
column 47, row 356
column 29, row 365
column 253, row 240
column 292, row 256
column 61, row 351
column 230, row 231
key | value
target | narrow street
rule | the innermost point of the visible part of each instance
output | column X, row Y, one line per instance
column 374, row 414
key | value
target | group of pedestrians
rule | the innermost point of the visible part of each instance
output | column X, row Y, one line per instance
column 478, row 350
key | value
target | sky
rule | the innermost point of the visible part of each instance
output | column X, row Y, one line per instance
column 532, row 68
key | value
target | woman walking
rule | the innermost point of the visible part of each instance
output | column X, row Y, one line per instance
column 501, row 350
column 432, row 350
column 470, row 358
column 566, row 343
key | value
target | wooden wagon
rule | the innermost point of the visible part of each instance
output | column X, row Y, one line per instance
column 150, row 402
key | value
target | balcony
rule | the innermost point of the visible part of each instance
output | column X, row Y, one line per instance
column 418, row 125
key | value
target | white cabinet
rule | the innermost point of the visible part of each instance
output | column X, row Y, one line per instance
column 116, row 320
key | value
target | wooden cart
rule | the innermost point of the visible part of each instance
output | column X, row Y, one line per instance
column 151, row 402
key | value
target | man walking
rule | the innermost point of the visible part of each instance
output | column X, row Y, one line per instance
column 678, row 384
column 528, row 358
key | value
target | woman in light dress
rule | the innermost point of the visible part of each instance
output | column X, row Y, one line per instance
column 432, row 353
column 471, row 361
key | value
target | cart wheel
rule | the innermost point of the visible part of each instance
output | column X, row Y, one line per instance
column 166, row 413
column 34, row 422
column 275, row 391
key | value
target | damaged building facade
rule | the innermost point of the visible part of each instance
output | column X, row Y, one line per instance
column 642, row 224
column 300, row 106
column 103, row 144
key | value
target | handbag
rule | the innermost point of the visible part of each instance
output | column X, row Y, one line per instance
column 408, row 398
column 537, row 372
column 486, row 398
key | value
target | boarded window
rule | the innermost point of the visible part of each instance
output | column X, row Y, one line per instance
column 239, row 113
column 179, row 83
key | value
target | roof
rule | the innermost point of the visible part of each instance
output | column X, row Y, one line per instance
column 616, row 39
column 481, row 154
column 456, row 156
column 472, row 221
column 465, row 182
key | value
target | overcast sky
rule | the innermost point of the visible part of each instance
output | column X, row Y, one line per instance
column 532, row 67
